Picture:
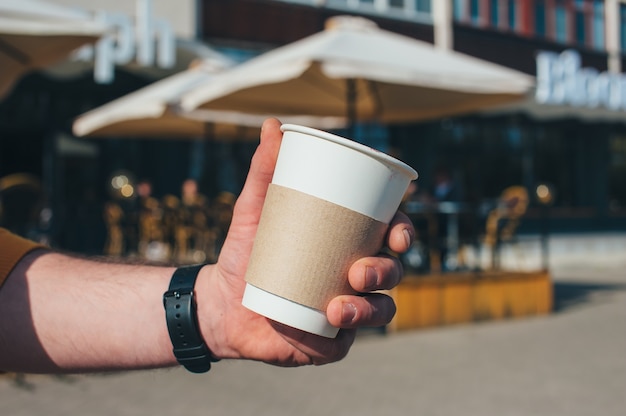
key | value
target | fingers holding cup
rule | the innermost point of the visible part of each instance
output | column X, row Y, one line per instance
column 373, row 310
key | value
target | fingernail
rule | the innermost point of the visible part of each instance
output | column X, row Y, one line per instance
column 407, row 237
column 348, row 313
column 371, row 278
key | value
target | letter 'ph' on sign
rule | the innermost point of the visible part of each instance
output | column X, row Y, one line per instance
column 148, row 40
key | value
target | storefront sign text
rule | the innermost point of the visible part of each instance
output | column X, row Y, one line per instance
column 562, row 81
column 146, row 40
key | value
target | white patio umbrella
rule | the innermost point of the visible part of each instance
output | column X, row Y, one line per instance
column 153, row 112
column 356, row 70
column 34, row 34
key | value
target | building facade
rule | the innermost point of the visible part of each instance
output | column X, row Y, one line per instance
column 577, row 145
column 570, row 135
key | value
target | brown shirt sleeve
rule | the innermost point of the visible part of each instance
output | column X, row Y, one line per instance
column 12, row 249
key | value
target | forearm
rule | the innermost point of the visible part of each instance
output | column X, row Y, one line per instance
column 65, row 314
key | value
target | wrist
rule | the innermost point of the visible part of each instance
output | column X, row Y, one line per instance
column 221, row 317
column 181, row 316
column 211, row 312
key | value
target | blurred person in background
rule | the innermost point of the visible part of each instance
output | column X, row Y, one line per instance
column 194, row 230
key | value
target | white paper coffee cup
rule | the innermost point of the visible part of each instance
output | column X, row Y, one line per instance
column 329, row 203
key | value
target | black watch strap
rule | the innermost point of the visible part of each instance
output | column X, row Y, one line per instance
column 182, row 322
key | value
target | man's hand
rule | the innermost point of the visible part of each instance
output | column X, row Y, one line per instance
column 62, row 313
column 233, row 331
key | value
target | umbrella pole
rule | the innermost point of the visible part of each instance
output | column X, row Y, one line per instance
column 351, row 106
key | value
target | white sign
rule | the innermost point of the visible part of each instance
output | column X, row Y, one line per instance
column 562, row 81
column 148, row 40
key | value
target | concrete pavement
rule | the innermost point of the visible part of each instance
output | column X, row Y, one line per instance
column 570, row 363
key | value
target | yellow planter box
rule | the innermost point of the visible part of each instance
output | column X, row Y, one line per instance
column 452, row 298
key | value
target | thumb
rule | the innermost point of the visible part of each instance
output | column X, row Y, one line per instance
column 247, row 212
column 252, row 196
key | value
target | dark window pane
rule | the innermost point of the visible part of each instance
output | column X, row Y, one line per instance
column 495, row 12
column 540, row 18
column 580, row 28
column 512, row 14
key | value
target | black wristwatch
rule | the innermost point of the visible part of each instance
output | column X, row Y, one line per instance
column 182, row 322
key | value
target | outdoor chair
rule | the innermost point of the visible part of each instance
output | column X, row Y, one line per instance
column 503, row 221
column 21, row 201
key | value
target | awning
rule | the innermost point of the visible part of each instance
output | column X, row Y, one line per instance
column 34, row 34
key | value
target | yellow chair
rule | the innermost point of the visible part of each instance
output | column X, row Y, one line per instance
column 21, row 201
column 503, row 220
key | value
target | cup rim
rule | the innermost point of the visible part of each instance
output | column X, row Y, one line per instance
column 376, row 154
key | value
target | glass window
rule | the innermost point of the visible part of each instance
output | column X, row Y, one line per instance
column 560, row 24
column 423, row 6
column 581, row 33
column 580, row 22
column 410, row 6
column 459, row 9
column 540, row 18
column 415, row 10
column 512, row 14
column 598, row 24
column 617, row 170
column 494, row 12
column 475, row 11
column 622, row 15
